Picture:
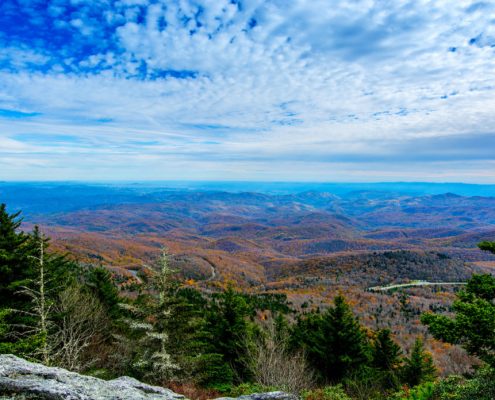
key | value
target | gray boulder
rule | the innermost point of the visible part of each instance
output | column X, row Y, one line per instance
column 24, row 380
column 21, row 379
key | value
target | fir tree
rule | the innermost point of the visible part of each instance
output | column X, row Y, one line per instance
column 228, row 324
column 193, row 342
column 386, row 359
column 334, row 341
column 16, row 265
column 145, row 343
column 167, row 335
column 158, row 355
column 99, row 281
column 385, row 353
column 346, row 344
column 419, row 367
column 282, row 329
column 30, row 278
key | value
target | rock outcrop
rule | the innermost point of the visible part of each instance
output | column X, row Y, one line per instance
column 263, row 396
column 23, row 379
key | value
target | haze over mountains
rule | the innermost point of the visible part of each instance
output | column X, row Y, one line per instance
column 246, row 234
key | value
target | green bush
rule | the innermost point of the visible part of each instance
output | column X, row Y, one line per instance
column 481, row 387
column 224, row 388
column 424, row 391
column 326, row 393
column 249, row 388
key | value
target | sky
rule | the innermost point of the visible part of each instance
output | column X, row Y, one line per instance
column 281, row 90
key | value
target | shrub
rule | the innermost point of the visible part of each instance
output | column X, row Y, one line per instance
column 326, row 393
column 271, row 364
column 249, row 388
column 481, row 387
column 421, row 392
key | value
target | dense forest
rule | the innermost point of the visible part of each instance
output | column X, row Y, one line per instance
column 224, row 341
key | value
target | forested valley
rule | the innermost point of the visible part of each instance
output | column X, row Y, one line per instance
column 226, row 340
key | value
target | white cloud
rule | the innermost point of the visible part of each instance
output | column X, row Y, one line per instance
column 206, row 81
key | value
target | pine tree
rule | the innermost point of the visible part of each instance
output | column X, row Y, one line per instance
column 346, row 344
column 487, row 246
column 481, row 286
column 149, row 321
column 160, row 284
column 228, row 324
column 193, row 343
column 419, row 367
column 19, row 280
column 385, row 353
column 282, row 329
column 16, row 266
column 334, row 341
column 100, row 281
column 386, row 359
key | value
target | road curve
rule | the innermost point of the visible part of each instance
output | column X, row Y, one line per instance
column 410, row 284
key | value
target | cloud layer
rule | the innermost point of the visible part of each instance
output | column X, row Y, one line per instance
column 248, row 89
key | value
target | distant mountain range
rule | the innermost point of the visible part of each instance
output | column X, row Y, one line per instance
column 243, row 234
column 63, row 196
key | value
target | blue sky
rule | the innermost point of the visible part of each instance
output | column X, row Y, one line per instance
column 247, row 90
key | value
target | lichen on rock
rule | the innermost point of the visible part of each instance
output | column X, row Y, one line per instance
column 21, row 379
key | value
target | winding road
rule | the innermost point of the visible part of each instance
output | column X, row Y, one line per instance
column 410, row 284
column 213, row 270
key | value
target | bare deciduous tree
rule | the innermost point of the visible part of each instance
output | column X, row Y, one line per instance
column 81, row 324
column 271, row 363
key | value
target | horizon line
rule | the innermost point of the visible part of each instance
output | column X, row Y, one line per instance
column 131, row 181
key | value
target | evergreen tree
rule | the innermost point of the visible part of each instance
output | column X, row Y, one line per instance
column 60, row 270
column 282, row 329
column 166, row 335
column 419, row 367
column 334, row 341
column 145, row 348
column 385, row 353
column 157, row 355
column 30, row 279
column 99, row 280
column 481, row 286
column 229, row 326
column 487, row 246
column 474, row 323
column 16, row 264
column 193, row 342
column 386, row 359
column 347, row 346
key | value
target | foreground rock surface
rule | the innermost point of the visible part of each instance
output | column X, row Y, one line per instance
column 22, row 379
column 263, row 396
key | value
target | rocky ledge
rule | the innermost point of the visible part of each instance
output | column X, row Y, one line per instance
column 21, row 379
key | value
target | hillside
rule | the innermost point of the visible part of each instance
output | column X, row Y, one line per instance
column 247, row 231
